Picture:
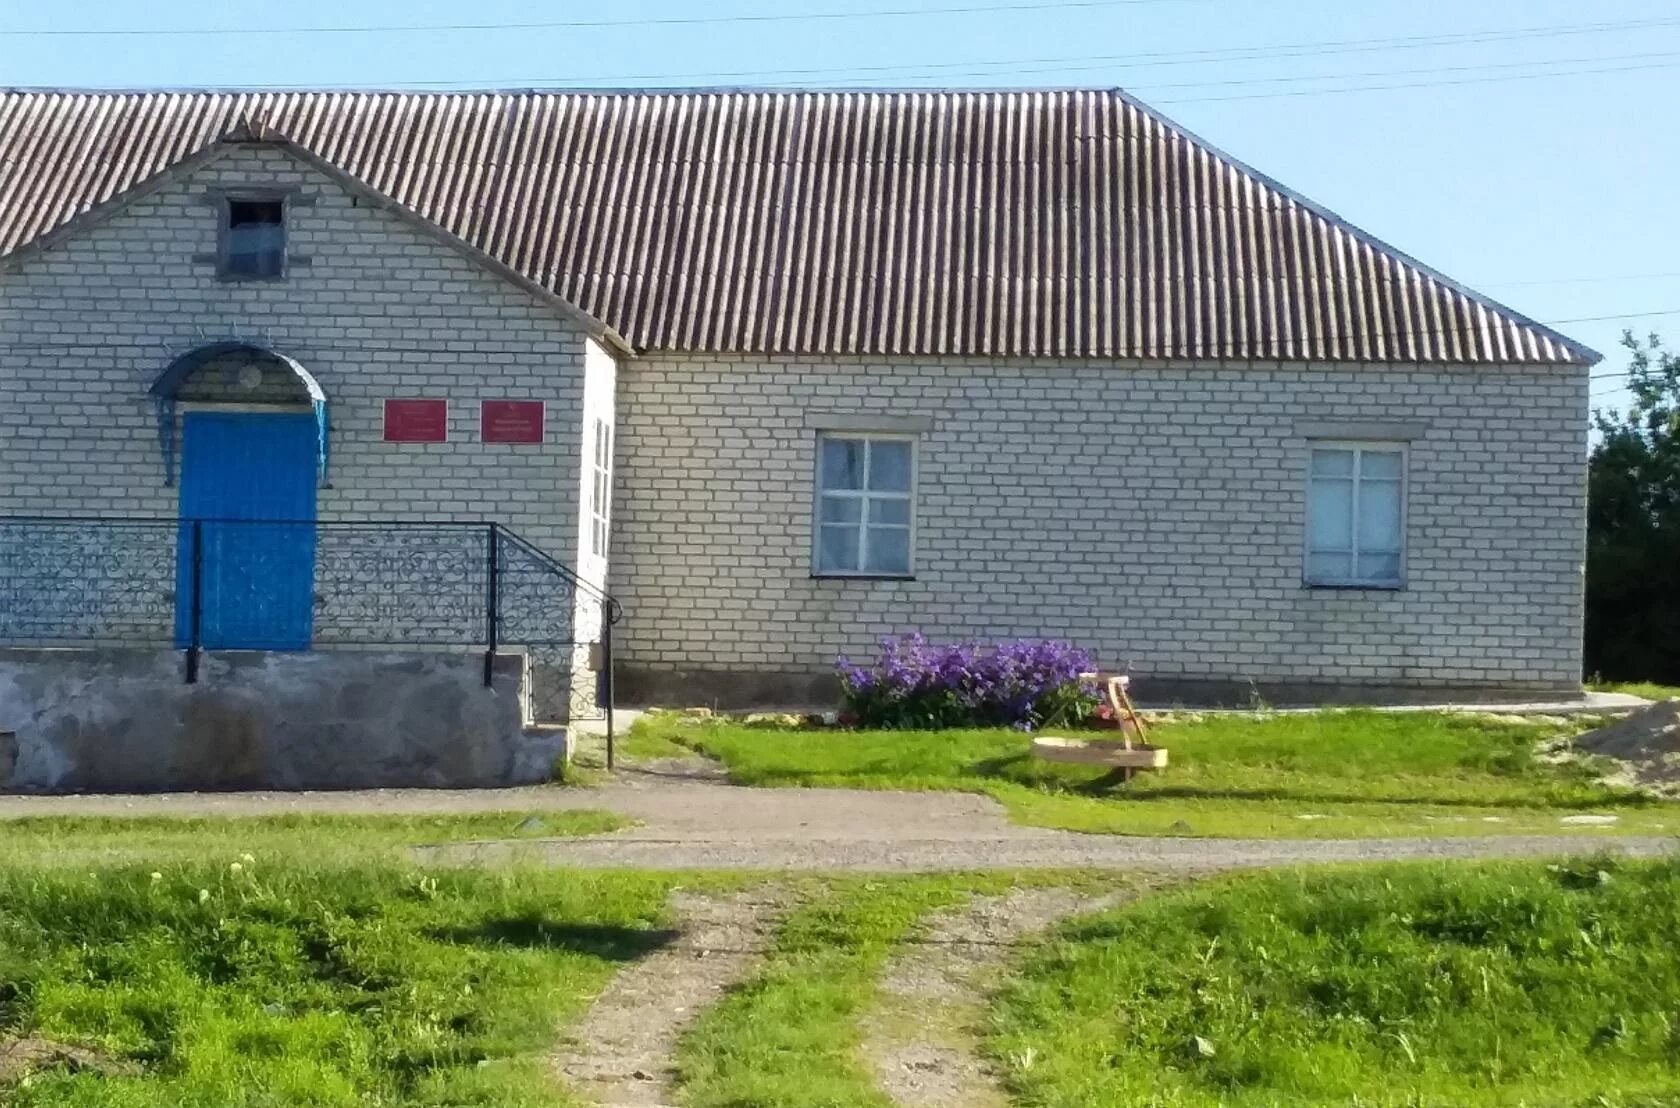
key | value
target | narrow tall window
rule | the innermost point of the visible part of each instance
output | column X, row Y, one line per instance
column 1356, row 514
column 253, row 239
column 865, row 505
column 600, row 490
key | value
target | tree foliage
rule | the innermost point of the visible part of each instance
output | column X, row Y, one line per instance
column 1633, row 525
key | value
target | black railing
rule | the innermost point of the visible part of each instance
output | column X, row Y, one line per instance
column 198, row 585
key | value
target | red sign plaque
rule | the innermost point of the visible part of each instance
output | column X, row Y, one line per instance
column 511, row 420
column 416, row 421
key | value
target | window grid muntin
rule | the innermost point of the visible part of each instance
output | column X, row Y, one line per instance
column 865, row 499
column 600, row 491
column 1354, row 552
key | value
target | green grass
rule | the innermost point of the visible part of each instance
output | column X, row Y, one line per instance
column 789, row 1037
column 1647, row 689
column 250, row 982
column 1446, row 986
column 1298, row 775
column 81, row 840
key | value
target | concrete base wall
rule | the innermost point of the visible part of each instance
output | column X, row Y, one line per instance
column 126, row 721
column 740, row 689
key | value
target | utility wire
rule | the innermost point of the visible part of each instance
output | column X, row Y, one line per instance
column 1148, row 59
column 1601, row 279
column 1418, row 84
column 574, row 24
column 1670, row 60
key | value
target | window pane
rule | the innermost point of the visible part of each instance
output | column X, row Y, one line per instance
column 255, row 213
column 1379, row 515
column 1329, row 568
column 1330, row 515
column 889, row 509
column 888, row 550
column 837, row 549
column 1380, row 463
column 841, row 509
column 842, row 463
column 1332, row 463
column 1379, row 567
column 889, row 466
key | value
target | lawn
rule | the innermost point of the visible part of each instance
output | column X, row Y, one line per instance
column 1397, row 987
column 1327, row 774
column 299, row 960
column 80, row 840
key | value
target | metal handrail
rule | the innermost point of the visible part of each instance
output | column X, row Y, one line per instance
column 76, row 579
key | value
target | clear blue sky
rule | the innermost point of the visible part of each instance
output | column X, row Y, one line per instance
column 1554, row 194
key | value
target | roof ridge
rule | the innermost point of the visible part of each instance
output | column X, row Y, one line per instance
column 1033, row 222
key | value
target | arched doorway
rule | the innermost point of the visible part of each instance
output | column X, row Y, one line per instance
column 252, row 432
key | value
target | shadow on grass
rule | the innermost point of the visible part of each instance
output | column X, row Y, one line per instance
column 534, row 932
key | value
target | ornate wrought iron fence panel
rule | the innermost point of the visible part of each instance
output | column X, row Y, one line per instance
column 457, row 586
column 420, row 584
column 66, row 583
column 567, row 637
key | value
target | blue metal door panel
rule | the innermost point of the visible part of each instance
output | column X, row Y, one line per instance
column 249, row 481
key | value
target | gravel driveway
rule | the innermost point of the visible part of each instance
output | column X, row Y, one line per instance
column 689, row 824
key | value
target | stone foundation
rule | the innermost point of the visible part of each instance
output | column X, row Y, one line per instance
column 127, row 721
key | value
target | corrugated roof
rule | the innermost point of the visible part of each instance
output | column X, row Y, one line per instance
column 1061, row 223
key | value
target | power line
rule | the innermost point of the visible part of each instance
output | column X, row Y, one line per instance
column 1478, row 67
column 1601, row 279
column 1418, row 84
column 1622, row 315
column 577, row 24
column 1146, row 59
column 1671, row 60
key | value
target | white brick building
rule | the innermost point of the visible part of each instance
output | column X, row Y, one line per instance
column 813, row 369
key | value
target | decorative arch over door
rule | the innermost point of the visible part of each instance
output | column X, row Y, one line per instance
column 177, row 378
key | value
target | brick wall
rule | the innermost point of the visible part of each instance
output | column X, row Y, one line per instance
column 380, row 311
column 1153, row 513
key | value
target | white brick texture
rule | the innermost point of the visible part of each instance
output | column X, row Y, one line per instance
column 1151, row 512
column 380, row 311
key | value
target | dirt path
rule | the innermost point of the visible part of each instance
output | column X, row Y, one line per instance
column 922, row 1038
column 880, row 850
column 696, row 824
column 621, row 1055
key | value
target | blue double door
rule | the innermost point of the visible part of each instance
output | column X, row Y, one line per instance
column 248, row 495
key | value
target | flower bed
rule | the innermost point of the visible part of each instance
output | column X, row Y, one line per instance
column 1028, row 684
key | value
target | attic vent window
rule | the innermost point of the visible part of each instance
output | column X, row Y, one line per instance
column 253, row 239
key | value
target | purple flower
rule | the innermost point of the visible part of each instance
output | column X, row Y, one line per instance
column 1024, row 683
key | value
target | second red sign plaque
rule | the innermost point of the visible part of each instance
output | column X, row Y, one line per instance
column 511, row 421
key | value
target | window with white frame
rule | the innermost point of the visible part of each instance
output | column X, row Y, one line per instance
column 1356, row 514
column 600, row 490
column 865, row 505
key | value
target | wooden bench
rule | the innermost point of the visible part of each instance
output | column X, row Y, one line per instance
column 1122, row 756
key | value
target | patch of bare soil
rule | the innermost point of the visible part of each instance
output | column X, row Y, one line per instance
column 922, row 1038
column 21, row 1057
column 621, row 1055
column 1645, row 745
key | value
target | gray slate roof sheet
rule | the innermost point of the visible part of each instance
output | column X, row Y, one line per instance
column 1022, row 223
